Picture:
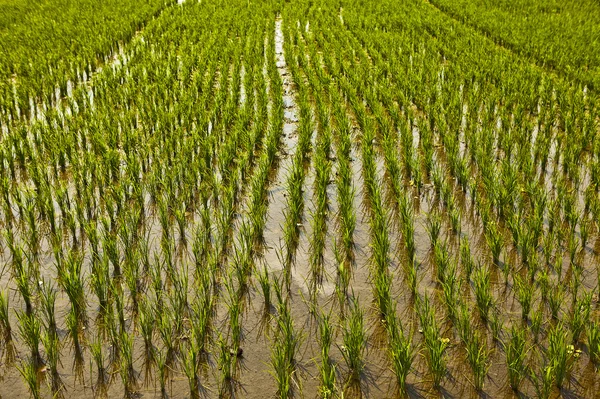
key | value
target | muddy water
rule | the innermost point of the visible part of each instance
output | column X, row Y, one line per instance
column 252, row 378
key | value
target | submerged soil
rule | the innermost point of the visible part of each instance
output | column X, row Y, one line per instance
column 253, row 377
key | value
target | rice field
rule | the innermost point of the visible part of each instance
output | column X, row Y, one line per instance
column 304, row 198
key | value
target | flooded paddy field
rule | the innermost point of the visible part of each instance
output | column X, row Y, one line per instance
column 302, row 199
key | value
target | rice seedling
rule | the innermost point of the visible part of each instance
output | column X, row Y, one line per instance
column 495, row 241
column 465, row 257
column 29, row 371
column 284, row 348
column 435, row 344
column 97, row 354
column 434, row 225
column 593, row 341
column 544, row 382
column 191, row 366
column 162, row 366
column 560, row 354
column 478, row 357
column 126, row 370
column 580, row 316
column 483, row 295
column 555, row 299
column 4, row 318
column 354, row 339
column 48, row 302
column 524, row 295
column 72, row 282
column 327, row 370
column 30, row 332
column 147, row 322
column 22, row 276
column 265, row 285
column 516, row 353
column 536, row 322
column 402, row 354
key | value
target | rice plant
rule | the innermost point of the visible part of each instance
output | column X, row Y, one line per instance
column 402, row 353
column 544, row 382
column 327, row 370
column 560, row 354
column 354, row 340
column 483, row 295
column 29, row 371
column 516, row 352
column 5, row 320
column 435, row 344
column 30, row 332
column 593, row 341
column 478, row 357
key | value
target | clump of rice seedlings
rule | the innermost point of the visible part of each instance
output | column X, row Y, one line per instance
column 29, row 372
column 75, row 331
column 496, row 324
column 126, row 370
column 544, row 382
column 434, row 226
column 327, row 388
column 319, row 215
column 234, row 307
column 544, row 284
column 343, row 276
column 95, row 346
column 99, row 283
column 515, row 357
column 536, row 322
column 131, row 274
column 411, row 277
column 580, row 315
column 435, row 344
column 48, row 301
column 483, row 295
column 401, row 351
column 225, row 360
column 72, row 282
column 284, row 348
column 30, row 332
column 5, row 327
column 455, row 217
column 345, row 187
column 354, row 338
column 495, row 241
column 165, row 329
column 465, row 257
column 51, row 344
column 478, row 358
column 463, row 321
column 147, row 322
column 524, row 295
column 282, row 371
column 555, row 300
column 383, row 294
column 408, row 227
column 191, row 368
column 265, row 285
column 163, row 372
column 593, row 341
column 560, row 353
column 21, row 276
column 201, row 316
column 441, row 258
